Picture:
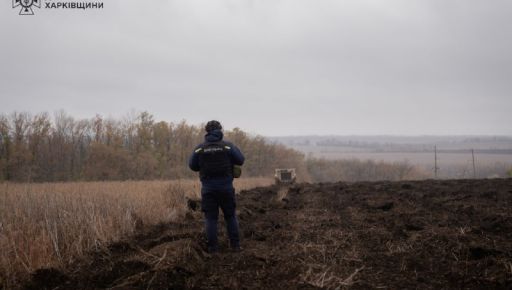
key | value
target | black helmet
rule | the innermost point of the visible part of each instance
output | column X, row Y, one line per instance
column 213, row 125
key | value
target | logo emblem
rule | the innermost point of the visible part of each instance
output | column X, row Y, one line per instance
column 26, row 6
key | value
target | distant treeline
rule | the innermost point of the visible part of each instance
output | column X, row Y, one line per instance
column 41, row 148
column 62, row 148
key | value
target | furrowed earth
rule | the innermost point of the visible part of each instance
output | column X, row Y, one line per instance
column 370, row 235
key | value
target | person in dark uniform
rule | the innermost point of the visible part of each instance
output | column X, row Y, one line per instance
column 215, row 159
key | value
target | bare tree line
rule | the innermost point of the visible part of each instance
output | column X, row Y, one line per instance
column 41, row 148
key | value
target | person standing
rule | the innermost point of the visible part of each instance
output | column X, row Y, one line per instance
column 215, row 159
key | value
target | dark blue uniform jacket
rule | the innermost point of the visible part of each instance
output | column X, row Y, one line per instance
column 222, row 183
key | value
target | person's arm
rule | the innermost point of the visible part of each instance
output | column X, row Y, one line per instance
column 236, row 155
column 193, row 161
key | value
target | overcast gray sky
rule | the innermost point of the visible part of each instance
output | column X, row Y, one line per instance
column 271, row 67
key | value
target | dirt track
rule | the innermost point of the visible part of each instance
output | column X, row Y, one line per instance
column 386, row 235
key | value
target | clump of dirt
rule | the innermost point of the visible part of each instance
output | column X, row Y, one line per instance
column 422, row 234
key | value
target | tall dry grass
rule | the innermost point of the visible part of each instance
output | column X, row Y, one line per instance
column 51, row 224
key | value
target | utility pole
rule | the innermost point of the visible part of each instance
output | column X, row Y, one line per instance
column 474, row 168
column 435, row 162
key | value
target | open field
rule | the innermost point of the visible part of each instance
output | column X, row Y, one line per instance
column 493, row 155
column 425, row 159
column 451, row 165
column 453, row 234
column 52, row 224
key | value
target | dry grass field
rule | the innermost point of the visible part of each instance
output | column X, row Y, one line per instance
column 52, row 224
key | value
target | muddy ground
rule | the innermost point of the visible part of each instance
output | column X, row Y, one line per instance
column 382, row 235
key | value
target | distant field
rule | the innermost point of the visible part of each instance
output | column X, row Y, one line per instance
column 493, row 155
column 418, row 158
column 450, row 164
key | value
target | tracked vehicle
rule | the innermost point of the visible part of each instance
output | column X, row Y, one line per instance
column 285, row 176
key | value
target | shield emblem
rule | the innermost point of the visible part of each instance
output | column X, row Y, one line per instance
column 26, row 6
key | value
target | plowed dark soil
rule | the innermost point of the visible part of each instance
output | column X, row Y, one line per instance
column 382, row 235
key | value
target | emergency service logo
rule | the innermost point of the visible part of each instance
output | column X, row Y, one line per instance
column 26, row 6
